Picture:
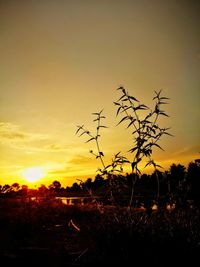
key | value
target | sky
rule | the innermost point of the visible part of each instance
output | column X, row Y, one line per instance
column 63, row 60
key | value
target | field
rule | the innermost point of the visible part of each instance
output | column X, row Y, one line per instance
column 52, row 234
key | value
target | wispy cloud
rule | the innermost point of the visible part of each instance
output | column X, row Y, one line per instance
column 12, row 132
column 55, row 147
column 82, row 160
column 16, row 137
column 77, row 165
column 9, row 131
column 189, row 150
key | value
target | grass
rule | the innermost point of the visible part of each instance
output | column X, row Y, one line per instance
column 54, row 234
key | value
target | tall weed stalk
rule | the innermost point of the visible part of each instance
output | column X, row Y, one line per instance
column 146, row 135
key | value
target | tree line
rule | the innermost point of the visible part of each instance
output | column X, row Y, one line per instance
column 176, row 185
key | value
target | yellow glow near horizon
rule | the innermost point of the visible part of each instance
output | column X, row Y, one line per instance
column 33, row 174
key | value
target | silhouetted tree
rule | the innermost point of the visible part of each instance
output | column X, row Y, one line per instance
column 42, row 190
column 144, row 185
column 6, row 188
column 55, row 187
column 15, row 187
column 177, row 183
column 56, row 184
column 98, row 181
column 75, row 188
column 24, row 190
column 88, row 184
column 177, row 176
column 194, row 181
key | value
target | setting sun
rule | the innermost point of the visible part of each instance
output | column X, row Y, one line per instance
column 33, row 174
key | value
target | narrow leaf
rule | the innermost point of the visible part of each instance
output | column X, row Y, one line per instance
column 118, row 110
column 82, row 133
column 90, row 139
column 132, row 149
column 164, row 114
column 79, row 128
column 120, row 88
column 121, row 97
column 148, row 163
column 125, row 118
column 133, row 98
column 154, row 144
column 116, row 103
column 132, row 121
column 102, row 126
column 117, row 154
column 164, row 98
column 168, row 134
column 158, row 166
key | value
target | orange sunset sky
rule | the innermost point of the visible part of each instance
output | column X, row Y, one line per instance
column 63, row 60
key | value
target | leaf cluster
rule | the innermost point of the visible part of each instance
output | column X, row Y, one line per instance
column 94, row 137
column 146, row 132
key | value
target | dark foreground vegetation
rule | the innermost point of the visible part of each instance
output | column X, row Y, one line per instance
column 50, row 233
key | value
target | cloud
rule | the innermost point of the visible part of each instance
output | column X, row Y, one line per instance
column 59, row 172
column 187, row 151
column 77, row 165
column 55, row 147
column 11, row 132
column 66, row 167
column 16, row 137
column 79, row 159
column 12, row 135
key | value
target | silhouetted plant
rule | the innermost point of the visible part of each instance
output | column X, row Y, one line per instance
column 117, row 161
column 146, row 131
column 99, row 154
column 146, row 135
column 116, row 165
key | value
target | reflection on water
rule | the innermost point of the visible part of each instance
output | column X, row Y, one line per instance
column 77, row 200
column 85, row 200
column 90, row 200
